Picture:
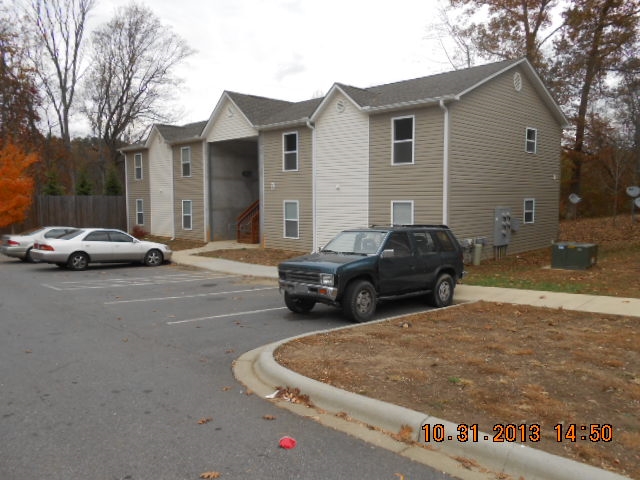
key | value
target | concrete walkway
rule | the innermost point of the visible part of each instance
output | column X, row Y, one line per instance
column 261, row 373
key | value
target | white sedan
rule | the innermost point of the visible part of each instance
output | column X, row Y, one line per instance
column 78, row 249
column 20, row 245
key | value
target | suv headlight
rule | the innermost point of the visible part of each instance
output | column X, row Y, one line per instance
column 326, row 279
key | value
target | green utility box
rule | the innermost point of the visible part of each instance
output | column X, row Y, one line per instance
column 573, row 255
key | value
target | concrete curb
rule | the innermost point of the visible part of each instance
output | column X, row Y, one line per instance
column 509, row 458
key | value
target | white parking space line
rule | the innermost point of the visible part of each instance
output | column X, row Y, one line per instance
column 178, row 297
column 136, row 281
column 235, row 314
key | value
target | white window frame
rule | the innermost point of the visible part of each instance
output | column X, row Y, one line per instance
column 394, row 141
column 137, row 166
column 531, row 145
column 184, row 162
column 531, row 211
column 285, row 152
column 285, row 219
column 401, row 202
column 187, row 215
column 139, row 211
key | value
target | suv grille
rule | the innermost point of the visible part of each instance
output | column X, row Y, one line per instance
column 302, row 276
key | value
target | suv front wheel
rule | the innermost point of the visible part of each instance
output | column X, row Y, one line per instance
column 359, row 302
column 442, row 294
column 298, row 305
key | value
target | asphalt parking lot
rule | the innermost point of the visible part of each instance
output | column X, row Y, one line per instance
column 124, row 372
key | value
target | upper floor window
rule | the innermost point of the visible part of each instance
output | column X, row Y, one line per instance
column 290, row 149
column 137, row 160
column 403, row 134
column 531, row 142
column 529, row 210
column 185, row 159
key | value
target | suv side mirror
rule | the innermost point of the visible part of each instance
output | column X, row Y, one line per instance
column 388, row 253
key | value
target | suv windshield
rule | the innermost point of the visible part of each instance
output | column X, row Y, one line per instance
column 363, row 242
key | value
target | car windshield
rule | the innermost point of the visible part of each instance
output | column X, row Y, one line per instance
column 70, row 235
column 363, row 242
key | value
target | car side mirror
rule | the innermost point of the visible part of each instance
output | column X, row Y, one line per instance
column 389, row 253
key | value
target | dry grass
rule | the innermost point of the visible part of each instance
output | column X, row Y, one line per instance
column 483, row 363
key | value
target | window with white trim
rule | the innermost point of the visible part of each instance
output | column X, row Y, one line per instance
column 291, row 219
column 139, row 211
column 402, row 212
column 531, row 141
column 403, row 135
column 187, row 214
column 290, row 151
column 529, row 210
column 137, row 161
column 185, row 160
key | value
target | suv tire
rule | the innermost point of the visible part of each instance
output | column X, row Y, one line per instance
column 298, row 305
column 442, row 294
column 359, row 302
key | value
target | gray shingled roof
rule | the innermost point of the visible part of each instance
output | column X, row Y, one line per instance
column 424, row 88
column 172, row 133
column 258, row 109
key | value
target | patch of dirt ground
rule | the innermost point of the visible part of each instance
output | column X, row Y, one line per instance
column 498, row 364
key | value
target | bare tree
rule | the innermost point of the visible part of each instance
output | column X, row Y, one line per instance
column 58, row 28
column 597, row 34
column 131, row 79
column 461, row 51
column 508, row 28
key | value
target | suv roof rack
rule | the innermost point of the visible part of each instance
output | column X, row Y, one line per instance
column 409, row 226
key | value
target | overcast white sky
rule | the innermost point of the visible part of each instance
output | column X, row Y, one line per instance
column 293, row 49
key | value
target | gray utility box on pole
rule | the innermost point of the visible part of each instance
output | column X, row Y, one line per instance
column 573, row 255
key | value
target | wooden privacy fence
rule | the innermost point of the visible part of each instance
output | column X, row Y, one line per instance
column 76, row 211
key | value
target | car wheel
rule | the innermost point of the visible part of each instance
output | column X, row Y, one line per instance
column 78, row 261
column 442, row 294
column 359, row 302
column 153, row 258
column 27, row 256
column 298, row 305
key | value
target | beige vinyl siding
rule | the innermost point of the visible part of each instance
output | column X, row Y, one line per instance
column 282, row 185
column 230, row 124
column 420, row 182
column 160, row 177
column 138, row 189
column 342, row 169
column 489, row 167
column 189, row 188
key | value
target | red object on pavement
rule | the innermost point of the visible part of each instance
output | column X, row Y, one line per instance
column 287, row 443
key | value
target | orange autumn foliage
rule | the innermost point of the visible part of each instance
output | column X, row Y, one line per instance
column 16, row 185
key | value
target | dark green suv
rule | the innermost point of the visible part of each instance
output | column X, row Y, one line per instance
column 361, row 266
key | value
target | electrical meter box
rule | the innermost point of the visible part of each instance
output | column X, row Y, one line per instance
column 502, row 227
column 573, row 255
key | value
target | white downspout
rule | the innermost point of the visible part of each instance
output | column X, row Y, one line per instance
column 314, row 244
column 445, row 166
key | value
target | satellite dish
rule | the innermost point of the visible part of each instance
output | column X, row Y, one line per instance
column 573, row 198
column 637, row 202
column 633, row 191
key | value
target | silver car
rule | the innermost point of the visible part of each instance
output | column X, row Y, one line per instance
column 21, row 245
column 78, row 249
